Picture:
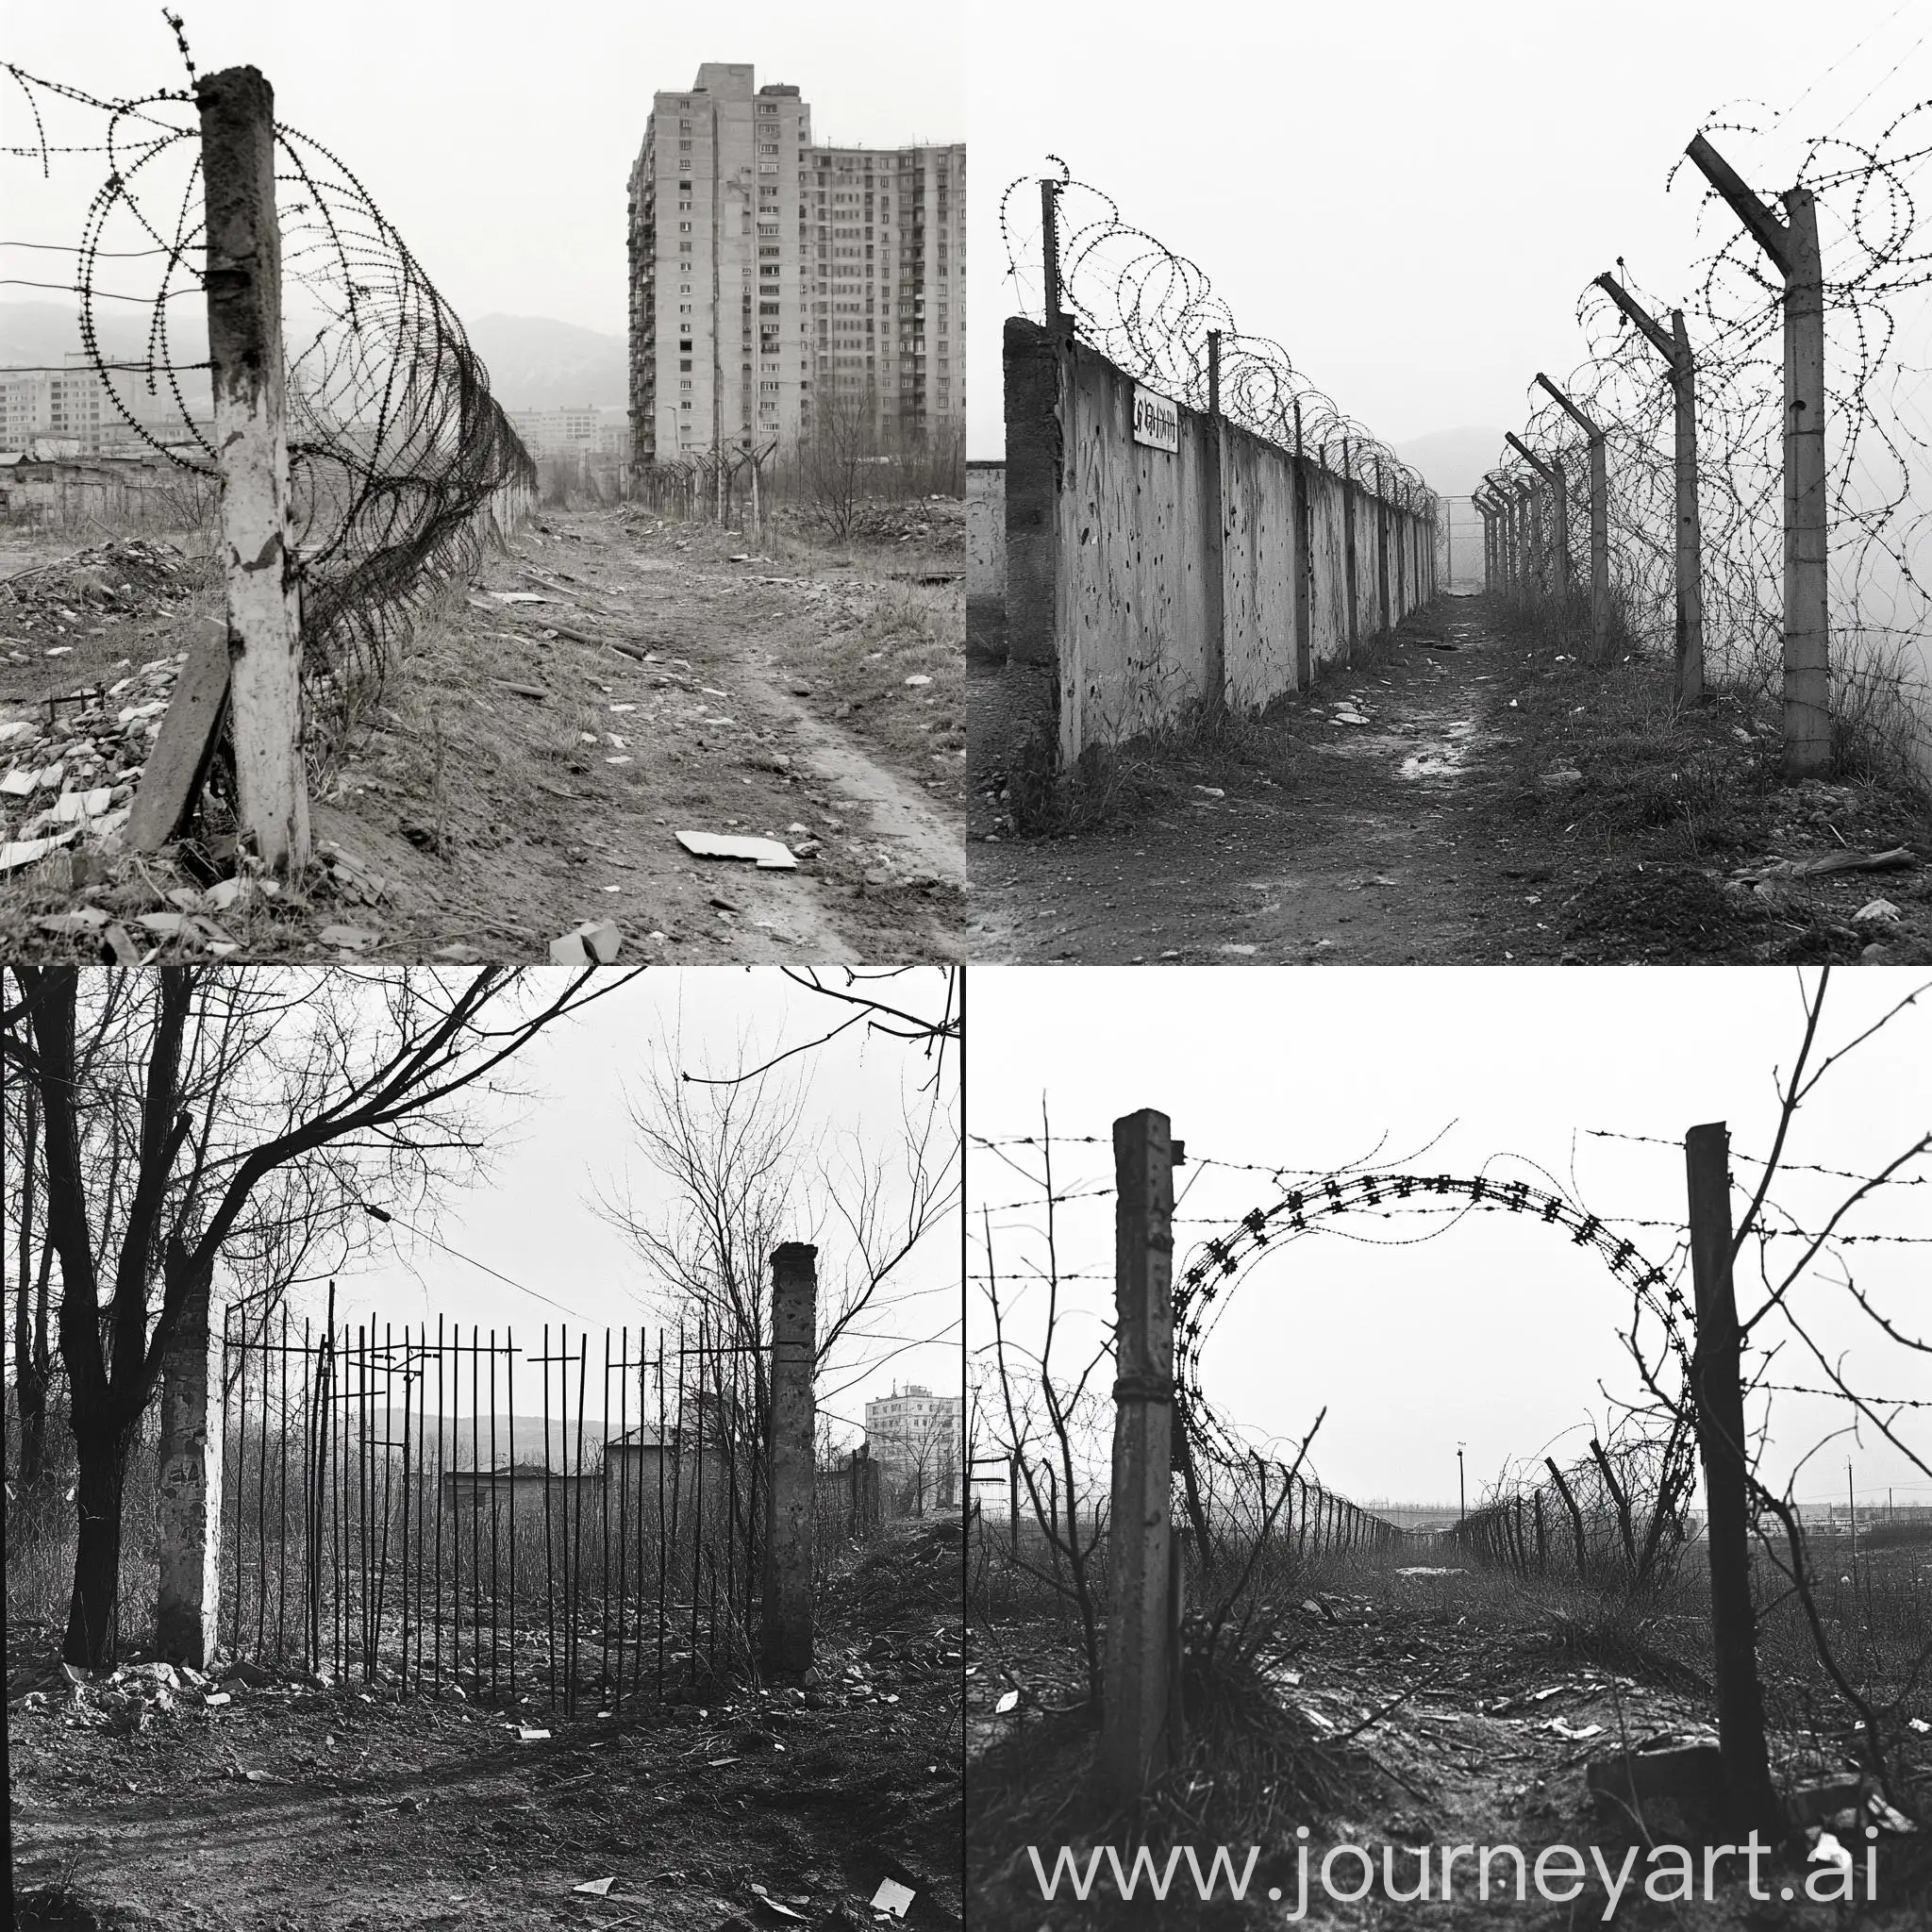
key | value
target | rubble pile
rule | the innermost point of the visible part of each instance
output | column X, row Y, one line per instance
column 81, row 595
column 68, row 768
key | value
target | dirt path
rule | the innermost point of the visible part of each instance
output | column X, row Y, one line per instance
column 1354, row 829
column 606, row 684
column 1469, row 797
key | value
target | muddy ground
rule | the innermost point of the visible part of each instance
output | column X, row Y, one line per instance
column 1425, row 1717
column 295, row 1808
column 1464, row 796
column 609, row 680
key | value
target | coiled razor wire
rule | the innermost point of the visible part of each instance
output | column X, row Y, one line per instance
column 397, row 450
column 1150, row 311
column 1216, row 1264
column 1878, row 433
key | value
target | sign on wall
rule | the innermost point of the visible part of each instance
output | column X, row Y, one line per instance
column 1157, row 421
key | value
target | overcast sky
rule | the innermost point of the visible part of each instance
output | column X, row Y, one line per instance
column 499, row 138
column 1409, row 196
column 536, row 1219
column 1499, row 1334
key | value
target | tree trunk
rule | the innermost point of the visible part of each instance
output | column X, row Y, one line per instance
column 103, row 1458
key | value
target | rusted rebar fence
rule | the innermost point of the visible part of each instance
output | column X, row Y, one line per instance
column 425, row 1506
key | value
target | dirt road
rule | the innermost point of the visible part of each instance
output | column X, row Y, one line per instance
column 604, row 685
column 1469, row 797
column 1357, row 833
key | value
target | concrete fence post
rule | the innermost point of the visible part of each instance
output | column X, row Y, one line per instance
column 785, row 1648
column 1050, row 251
column 1134, row 1736
column 1599, row 523
column 245, row 334
column 1348, row 554
column 1214, row 527
column 1718, row 1393
column 188, row 1492
column 1303, row 565
column 1674, row 345
column 1381, row 552
column 1792, row 245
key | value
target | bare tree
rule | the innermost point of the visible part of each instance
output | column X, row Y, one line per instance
column 195, row 1109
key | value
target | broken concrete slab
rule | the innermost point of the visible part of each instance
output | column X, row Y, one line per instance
column 769, row 855
column 595, row 942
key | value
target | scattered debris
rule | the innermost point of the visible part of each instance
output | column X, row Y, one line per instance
column 595, row 942
column 1878, row 912
column 892, row 1897
column 769, row 855
column 595, row 1886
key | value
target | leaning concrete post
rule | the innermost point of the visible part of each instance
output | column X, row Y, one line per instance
column 1674, row 345
column 244, row 337
column 1135, row 1739
column 1718, row 1390
column 1792, row 245
column 1599, row 523
column 1050, row 250
column 188, row 1497
column 785, row 1647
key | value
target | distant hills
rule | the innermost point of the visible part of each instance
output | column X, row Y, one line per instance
column 534, row 362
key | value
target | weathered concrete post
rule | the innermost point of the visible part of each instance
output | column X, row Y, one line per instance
column 1792, row 245
column 1554, row 544
column 1134, row 1736
column 785, row 1647
column 1050, row 250
column 188, row 1491
column 1214, row 527
column 1381, row 552
column 1674, row 345
column 1303, row 565
column 1718, row 1391
column 1348, row 562
column 245, row 334
column 1599, row 525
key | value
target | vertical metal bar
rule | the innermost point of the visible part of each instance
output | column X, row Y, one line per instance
column 283, row 1540
column 509, row 1373
column 549, row 1540
column 410, row 1414
column 643, row 1374
column 622, row 1492
column 697, row 1514
column 604, row 1541
column 493, row 1487
column 240, row 1461
column 663, row 1553
column 576, row 1555
column 475, row 1502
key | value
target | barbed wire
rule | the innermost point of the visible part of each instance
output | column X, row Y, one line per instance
column 1878, row 437
column 1150, row 311
column 397, row 450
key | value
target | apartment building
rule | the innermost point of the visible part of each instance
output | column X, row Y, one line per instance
column 65, row 409
column 773, row 279
column 919, row 1437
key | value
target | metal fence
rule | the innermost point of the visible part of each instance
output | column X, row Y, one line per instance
column 430, row 1507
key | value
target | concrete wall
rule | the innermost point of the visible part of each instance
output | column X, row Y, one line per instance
column 986, row 531
column 1157, row 579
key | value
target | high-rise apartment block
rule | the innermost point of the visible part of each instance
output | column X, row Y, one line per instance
column 774, row 282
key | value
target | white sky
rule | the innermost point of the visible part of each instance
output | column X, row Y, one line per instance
column 1409, row 196
column 1498, row 1334
column 498, row 138
column 535, row 1219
